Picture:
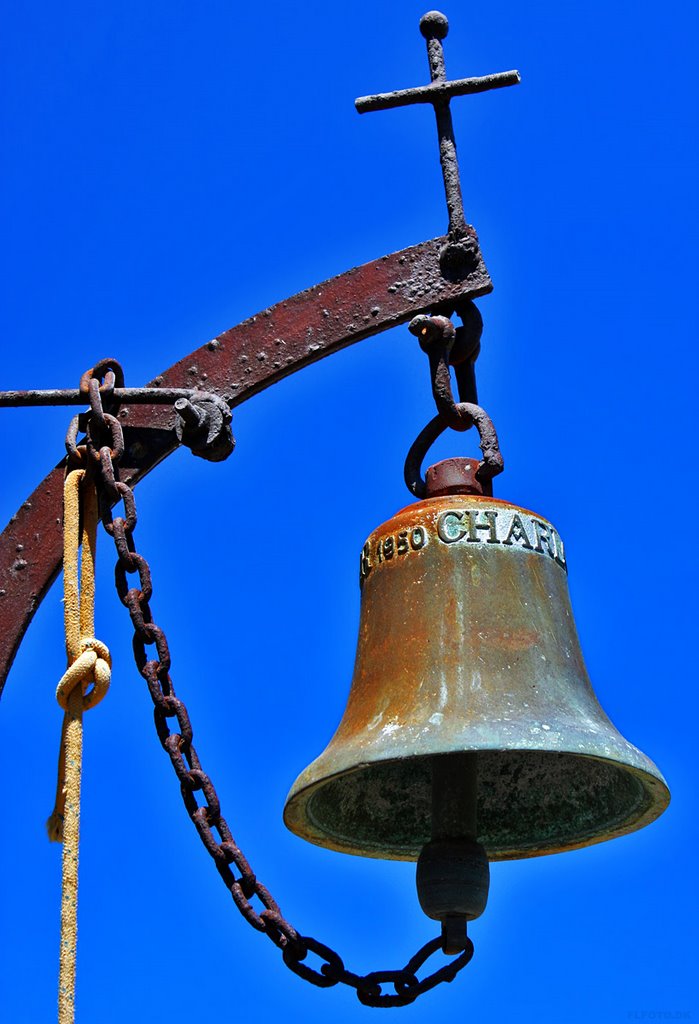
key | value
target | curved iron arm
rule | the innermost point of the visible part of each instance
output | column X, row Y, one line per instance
column 236, row 365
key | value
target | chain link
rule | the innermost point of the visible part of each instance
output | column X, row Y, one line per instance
column 103, row 448
column 447, row 347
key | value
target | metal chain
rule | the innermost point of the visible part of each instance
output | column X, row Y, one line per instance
column 103, row 448
column 447, row 347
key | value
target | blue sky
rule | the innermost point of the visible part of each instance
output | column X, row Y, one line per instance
column 170, row 169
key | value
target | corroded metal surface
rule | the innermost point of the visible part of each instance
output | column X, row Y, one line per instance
column 457, row 253
column 236, row 365
column 447, row 347
column 467, row 644
column 74, row 396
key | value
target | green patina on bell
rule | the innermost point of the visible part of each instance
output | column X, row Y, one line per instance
column 469, row 678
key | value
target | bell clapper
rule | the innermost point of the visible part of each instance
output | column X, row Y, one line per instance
column 452, row 871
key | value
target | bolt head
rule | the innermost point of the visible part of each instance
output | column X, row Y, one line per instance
column 458, row 259
column 434, row 25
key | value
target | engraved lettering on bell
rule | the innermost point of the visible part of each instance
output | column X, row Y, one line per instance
column 477, row 526
column 382, row 550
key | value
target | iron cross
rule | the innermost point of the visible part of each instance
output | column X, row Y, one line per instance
column 434, row 27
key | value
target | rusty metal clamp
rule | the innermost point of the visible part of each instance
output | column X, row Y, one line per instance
column 203, row 424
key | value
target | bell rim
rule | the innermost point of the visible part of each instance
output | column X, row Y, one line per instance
column 654, row 784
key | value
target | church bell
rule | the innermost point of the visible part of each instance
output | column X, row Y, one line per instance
column 472, row 732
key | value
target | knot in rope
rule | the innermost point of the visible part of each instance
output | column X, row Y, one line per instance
column 92, row 666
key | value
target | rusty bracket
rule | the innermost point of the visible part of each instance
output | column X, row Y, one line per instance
column 236, row 365
column 203, row 425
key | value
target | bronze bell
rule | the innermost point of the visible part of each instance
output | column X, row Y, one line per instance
column 471, row 719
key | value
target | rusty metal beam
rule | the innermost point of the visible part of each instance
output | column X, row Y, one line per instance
column 236, row 365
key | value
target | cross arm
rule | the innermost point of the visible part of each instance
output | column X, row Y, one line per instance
column 434, row 27
column 436, row 92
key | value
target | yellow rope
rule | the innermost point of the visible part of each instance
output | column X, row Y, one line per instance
column 89, row 664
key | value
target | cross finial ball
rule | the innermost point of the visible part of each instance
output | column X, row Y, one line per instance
column 434, row 25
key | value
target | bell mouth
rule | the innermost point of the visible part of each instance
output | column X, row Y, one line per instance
column 529, row 803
